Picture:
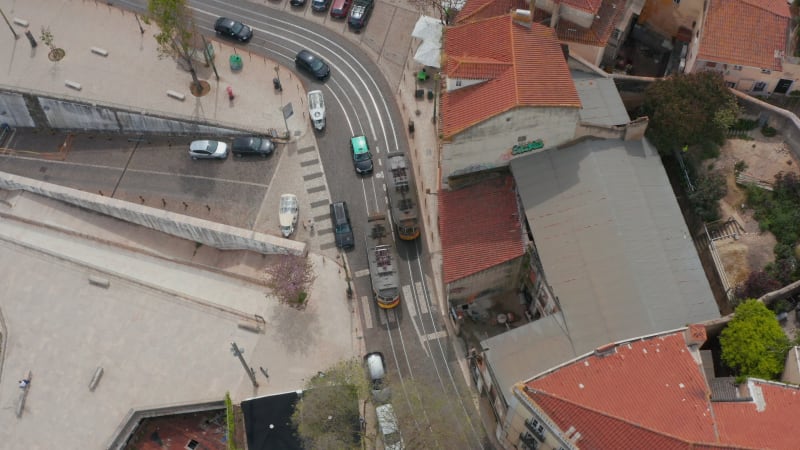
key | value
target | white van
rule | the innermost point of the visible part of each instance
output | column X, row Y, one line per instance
column 390, row 432
column 316, row 109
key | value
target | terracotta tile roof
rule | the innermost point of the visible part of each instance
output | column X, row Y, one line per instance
column 522, row 67
column 656, row 371
column 480, row 227
column 652, row 393
column 611, row 12
column 745, row 32
column 484, row 9
column 584, row 5
column 761, row 424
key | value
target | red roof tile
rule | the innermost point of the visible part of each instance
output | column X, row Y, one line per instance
column 585, row 5
column 745, row 32
column 522, row 67
column 656, row 371
column 652, row 393
column 484, row 9
column 480, row 227
column 763, row 426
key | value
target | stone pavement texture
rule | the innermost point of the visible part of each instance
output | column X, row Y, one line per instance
column 162, row 330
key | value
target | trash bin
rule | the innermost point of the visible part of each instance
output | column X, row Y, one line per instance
column 411, row 127
column 236, row 62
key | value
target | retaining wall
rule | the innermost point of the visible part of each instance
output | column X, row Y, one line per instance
column 223, row 237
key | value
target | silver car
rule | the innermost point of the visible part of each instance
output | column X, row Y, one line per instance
column 208, row 150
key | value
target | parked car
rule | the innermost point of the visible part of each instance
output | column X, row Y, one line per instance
column 360, row 14
column 297, row 2
column 288, row 211
column 316, row 109
column 208, row 150
column 362, row 158
column 252, row 145
column 340, row 8
column 390, row 432
column 233, row 29
column 320, row 5
column 313, row 64
column 342, row 230
column 376, row 372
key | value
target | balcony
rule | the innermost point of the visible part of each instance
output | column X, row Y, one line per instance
column 536, row 429
column 528, row 441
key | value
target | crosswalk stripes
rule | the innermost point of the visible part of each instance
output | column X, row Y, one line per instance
column 423, row 300
column 361, row 273
column 432, row 336
column 367, row 312
column 408, row 299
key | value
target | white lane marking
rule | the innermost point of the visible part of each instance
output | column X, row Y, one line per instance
column 423, row 303
column 365, row 306
column 361, row 273
column 409, row 301
column 432, row 336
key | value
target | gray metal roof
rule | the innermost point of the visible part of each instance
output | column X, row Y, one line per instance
column 614, row 248
column 600, row 100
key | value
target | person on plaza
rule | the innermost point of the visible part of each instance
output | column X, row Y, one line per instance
column 24, row 383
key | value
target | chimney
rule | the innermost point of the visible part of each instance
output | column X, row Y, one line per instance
column 695, row 334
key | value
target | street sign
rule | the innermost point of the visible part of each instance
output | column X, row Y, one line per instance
column 287, row 111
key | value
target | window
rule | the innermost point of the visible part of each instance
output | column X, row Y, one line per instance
column 737, row 67
column 711, row 64
column 759, row 86
column 766, row 71
column 730, row 84
column 616, row 34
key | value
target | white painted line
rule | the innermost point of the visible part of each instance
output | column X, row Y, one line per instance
column 361, row 273
column 423, row 300
column 382, row 316
column 437, row 335
column 365, row 306
column 409, row 301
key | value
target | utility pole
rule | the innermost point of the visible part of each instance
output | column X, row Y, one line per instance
column 209, row 56
column 250, row 372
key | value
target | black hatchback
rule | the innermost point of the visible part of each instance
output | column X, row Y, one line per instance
column 233, row 29
column 313, row 64
column 320, row 5
column 252, row 145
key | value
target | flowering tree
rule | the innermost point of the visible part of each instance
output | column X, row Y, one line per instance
column 289, row 278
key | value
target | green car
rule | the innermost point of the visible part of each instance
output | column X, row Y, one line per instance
column 362, row 159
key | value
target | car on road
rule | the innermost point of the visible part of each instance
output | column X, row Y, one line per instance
column 288, row 211
column 362, row 158
column 340, row 8
column 320, row 5
column 342, row 230
column 208, row 150
column 252, row 145
column 233, row 29
column 316, row 109
column 360, row 13
column 313, row 64
column 376, row 373
column 390, row 431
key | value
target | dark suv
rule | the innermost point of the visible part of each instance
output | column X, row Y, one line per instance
column 313, row 64
column 342, row 231
column 359, row 14
column 252, row 145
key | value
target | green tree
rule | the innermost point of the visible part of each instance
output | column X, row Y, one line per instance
column 753, row 343
column 689, row 109
column 177, row 36
column 705, row 198
column 327, row 415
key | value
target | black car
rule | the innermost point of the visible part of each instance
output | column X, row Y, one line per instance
column 312, row 64
column 359, row 14
column 297, row 2
column 320, row 5
column 342, row 231
column 252, row 145
column 233, row 29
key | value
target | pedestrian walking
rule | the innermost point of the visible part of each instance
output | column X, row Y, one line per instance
column 24, row 383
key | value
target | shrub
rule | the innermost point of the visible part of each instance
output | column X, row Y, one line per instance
column 739, row 167
column 756, row 285
column 705, row 198
column 768, row 131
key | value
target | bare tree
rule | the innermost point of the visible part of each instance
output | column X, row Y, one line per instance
column 290, row 277
column 445, row 9
column 177, row 36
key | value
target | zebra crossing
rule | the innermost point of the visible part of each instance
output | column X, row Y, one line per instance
column 317, row 193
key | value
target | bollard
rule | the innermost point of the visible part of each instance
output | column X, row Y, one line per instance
column 96, row 378
column 31, row 39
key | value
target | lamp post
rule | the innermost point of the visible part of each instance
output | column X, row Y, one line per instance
column 250, row 372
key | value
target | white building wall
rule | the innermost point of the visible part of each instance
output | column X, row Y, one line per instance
column 488, row 145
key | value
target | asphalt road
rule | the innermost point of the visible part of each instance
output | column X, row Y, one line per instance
column 158, row 172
